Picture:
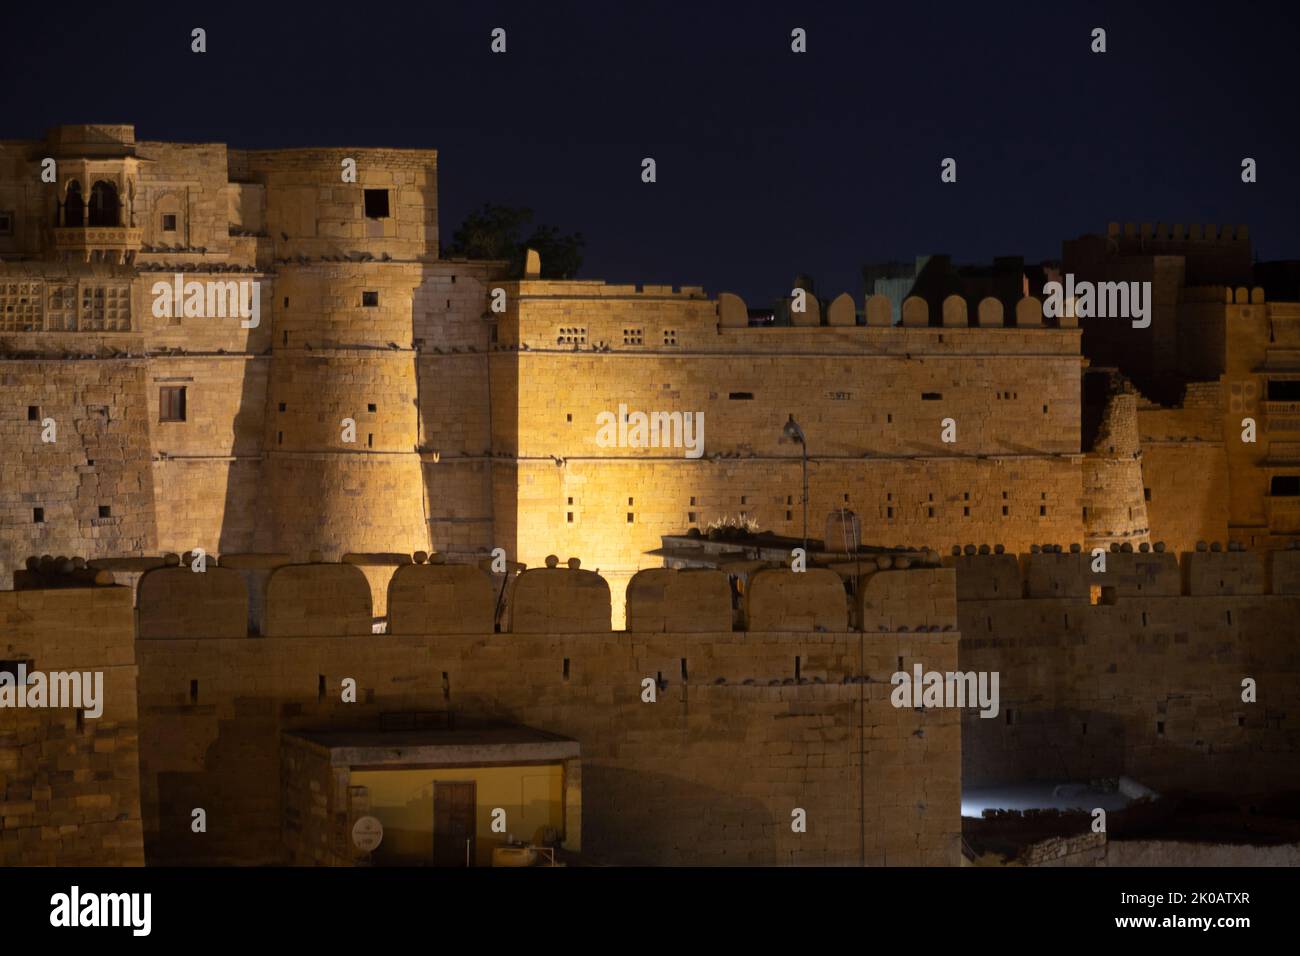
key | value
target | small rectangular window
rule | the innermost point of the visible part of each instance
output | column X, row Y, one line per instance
column 376, row 203
column 171, row 403
column 372, row 407
column 6, row 222
column 369, row 300
column 12, row 667
column 106, row 511
column 1284, row 390
column 169, row 222
column 1285, row 486
column 38, row 516
column 931, row 396
column 629, row 517
column 741, row 396
column 33, row 413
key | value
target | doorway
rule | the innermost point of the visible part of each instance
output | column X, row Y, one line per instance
column 454, row 805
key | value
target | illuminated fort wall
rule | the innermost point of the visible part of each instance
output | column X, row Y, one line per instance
column 871, row 400
column 746, row 728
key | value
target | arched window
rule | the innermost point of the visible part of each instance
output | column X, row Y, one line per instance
column 74, row 207
column 104, row 204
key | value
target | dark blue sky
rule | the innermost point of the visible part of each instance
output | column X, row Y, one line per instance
column 769, row 163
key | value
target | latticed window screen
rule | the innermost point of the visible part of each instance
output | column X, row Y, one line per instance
column 21, row 307
column 105, row 308
column 61, row 310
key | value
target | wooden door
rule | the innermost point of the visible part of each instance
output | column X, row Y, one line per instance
column 453, row 823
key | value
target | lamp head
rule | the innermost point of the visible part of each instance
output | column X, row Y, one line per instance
column 792, row 431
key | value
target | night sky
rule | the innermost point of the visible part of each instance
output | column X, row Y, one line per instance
column 769, row 163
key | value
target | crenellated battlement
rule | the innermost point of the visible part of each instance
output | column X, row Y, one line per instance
column 916, row 313
column 1178, row 232
column 252, row 595
column 1229, row 295
column 1053, row 572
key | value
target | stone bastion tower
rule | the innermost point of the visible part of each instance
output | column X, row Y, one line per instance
column 373, row 345
column 341, row 469
column 319, row 427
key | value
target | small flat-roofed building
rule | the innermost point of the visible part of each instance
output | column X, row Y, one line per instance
column 489, row 796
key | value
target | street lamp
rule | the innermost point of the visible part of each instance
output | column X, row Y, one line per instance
column 793, row 432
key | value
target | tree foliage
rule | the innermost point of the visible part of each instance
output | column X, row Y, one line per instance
column 501, row 232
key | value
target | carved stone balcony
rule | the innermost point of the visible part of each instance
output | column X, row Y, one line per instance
column 1282, row 418
column 111, row 243
column 1283, row 514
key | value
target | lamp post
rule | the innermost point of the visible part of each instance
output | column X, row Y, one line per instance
column 793, row 432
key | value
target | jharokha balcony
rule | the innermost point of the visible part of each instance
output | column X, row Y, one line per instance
column 100, row 228
column 100, row 243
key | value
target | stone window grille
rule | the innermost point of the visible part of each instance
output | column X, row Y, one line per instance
column 21, row 307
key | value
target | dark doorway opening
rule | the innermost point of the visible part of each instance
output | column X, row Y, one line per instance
column 453, row 823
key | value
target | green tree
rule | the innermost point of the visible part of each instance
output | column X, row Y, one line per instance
column 494, row 232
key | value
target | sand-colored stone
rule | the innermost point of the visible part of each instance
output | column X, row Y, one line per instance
column 660, row 599
column 179, row 602
column 440, row 599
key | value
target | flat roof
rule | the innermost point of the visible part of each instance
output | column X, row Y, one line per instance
column 478, row 745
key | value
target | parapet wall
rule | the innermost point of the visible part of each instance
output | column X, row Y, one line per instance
column 1147, row 686
column 1139, row 670
column 327, row 600
column 681, row 602
column 744, row 730
column 1070, row 575
column 1196, row 232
